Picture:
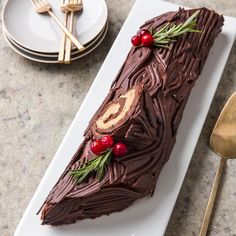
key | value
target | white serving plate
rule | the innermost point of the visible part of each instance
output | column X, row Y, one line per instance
column 147, row 216
column 54, row 60
column 39, row 32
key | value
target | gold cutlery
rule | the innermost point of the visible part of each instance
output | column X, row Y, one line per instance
column 42, row 6
column 68, row 6
column 223, row 143
column 61, row 55
column 74, row 6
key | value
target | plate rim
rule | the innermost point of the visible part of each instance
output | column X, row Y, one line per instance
column 74, row 52
column 43, row 60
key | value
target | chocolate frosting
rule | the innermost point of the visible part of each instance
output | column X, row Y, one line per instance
column 164, row 78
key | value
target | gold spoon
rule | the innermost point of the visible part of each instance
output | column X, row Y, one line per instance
column 223, row 143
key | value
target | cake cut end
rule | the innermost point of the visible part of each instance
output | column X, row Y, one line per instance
column 118, row 111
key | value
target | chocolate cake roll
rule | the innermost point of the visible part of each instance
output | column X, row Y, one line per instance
column 142, row 111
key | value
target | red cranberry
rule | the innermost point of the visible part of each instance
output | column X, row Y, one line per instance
column 143, row 32
column 119, row 149
column 136, row 40
column 147, row 40
column 97, row 147
column 107, row 141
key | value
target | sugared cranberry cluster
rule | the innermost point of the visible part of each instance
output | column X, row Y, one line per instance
column 106, row 142
column 142, row 38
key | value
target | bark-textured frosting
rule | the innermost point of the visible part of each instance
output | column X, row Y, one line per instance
column 164, row 79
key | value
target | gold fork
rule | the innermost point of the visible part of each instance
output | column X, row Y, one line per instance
column 61, row 55
column 68, row 6
column 75, row 6
column 42, row 6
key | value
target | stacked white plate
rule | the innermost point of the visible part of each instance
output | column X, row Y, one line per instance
column 37, row 37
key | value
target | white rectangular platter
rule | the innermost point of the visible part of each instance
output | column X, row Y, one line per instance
column 148, row 216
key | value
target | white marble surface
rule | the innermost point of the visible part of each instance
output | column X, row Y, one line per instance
column 38, row 103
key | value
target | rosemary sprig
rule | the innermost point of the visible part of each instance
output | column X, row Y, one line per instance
column 97, row 165
column 166, row 34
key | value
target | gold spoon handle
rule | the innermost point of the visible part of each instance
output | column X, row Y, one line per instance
column 207, row 216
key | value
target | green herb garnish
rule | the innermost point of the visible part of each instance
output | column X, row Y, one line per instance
column 166, row 34
column 96, row 165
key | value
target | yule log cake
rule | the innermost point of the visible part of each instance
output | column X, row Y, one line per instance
column 130, row 137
